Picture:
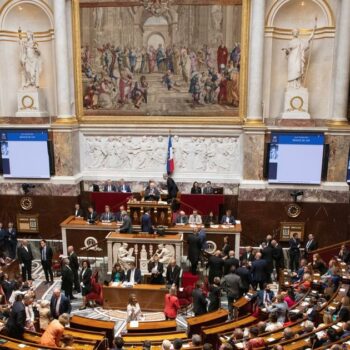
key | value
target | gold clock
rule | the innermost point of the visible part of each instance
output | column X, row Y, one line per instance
column 27, row 102
column 26, row 203
column 297, row 103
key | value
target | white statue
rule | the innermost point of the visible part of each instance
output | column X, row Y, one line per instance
column 295, row 52
column 164, row 253
column 30, row 60
column 125, row 256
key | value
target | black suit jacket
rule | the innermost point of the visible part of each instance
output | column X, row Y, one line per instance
column 230, row 262
column 65, row 306
column 215, row 265
column 312, row 246
column 12, row 236
column 173, row 276
column 199, row 302
column 294, row 246
column 278, row 257
column 172, row 188
column 246, row 277
column 73, row 261
column 67, row 279
column 113, row 188
column 79, row 213
column 16, row 321
column 194, row 247
column 267, row 255
column 196, row 190
column 49, row 254
column 23, row 255
column 86, row 278
column 259, row 270
column 156, row 277
column 137, row 276
column 146, row 223
column 91, row 216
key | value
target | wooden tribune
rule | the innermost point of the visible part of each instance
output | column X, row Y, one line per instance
column 150, row 327
column 150, row 296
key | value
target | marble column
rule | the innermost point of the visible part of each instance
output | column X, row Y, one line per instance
column 61, row 57
column 256, row 62
column 342, row 66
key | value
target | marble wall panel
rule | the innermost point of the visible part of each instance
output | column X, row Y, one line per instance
column 253, row 156
column 338, row 157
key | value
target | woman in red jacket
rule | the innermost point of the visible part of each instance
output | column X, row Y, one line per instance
column 171, row 304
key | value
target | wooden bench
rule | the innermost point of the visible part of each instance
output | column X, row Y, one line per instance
column 90, row 324
column 151, row 327
column 196, row 323
column 15, row 344
column 211, row 334
column 82, row 339
column 33, row 337
column 154, row 338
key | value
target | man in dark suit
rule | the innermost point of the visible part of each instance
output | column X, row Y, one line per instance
column 109, row 187
column 25, row 258
column 194, row 250
column 118, row 214
column 173, row 272
column 11, row 240
column 232, row 285
column 215, row 264
column 46, row 255
column 278, row 258
column 259, row 271
column 294, row 252
column 3, row 237
column 199, row 300
column 67, row 280
column 91, row 215
column 228, row 218
column 151, row 192
column 208, row 189
column 107, row 216
column 247, row 255
column 126, row 226
column 246, row 277
column 146, row 222
column 230, row 261
column 78, row 212
column 74, row 265
column 17, row 319
column 123, row 187
column 310, row 245
column 133, row 275
column 156, row 268
column 267, row 255
column 171, row 187
column 182, row 218
column 59, row 304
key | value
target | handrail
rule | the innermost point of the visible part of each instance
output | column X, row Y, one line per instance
column 330, row 247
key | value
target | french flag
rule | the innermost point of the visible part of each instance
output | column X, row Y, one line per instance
column 170, row 157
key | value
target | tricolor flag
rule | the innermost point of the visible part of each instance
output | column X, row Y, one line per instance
column 170, row 157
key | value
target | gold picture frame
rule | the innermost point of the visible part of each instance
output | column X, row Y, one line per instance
column 163, row 119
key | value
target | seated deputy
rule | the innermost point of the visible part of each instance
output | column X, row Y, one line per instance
column 107, row 216
column 151, row 192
